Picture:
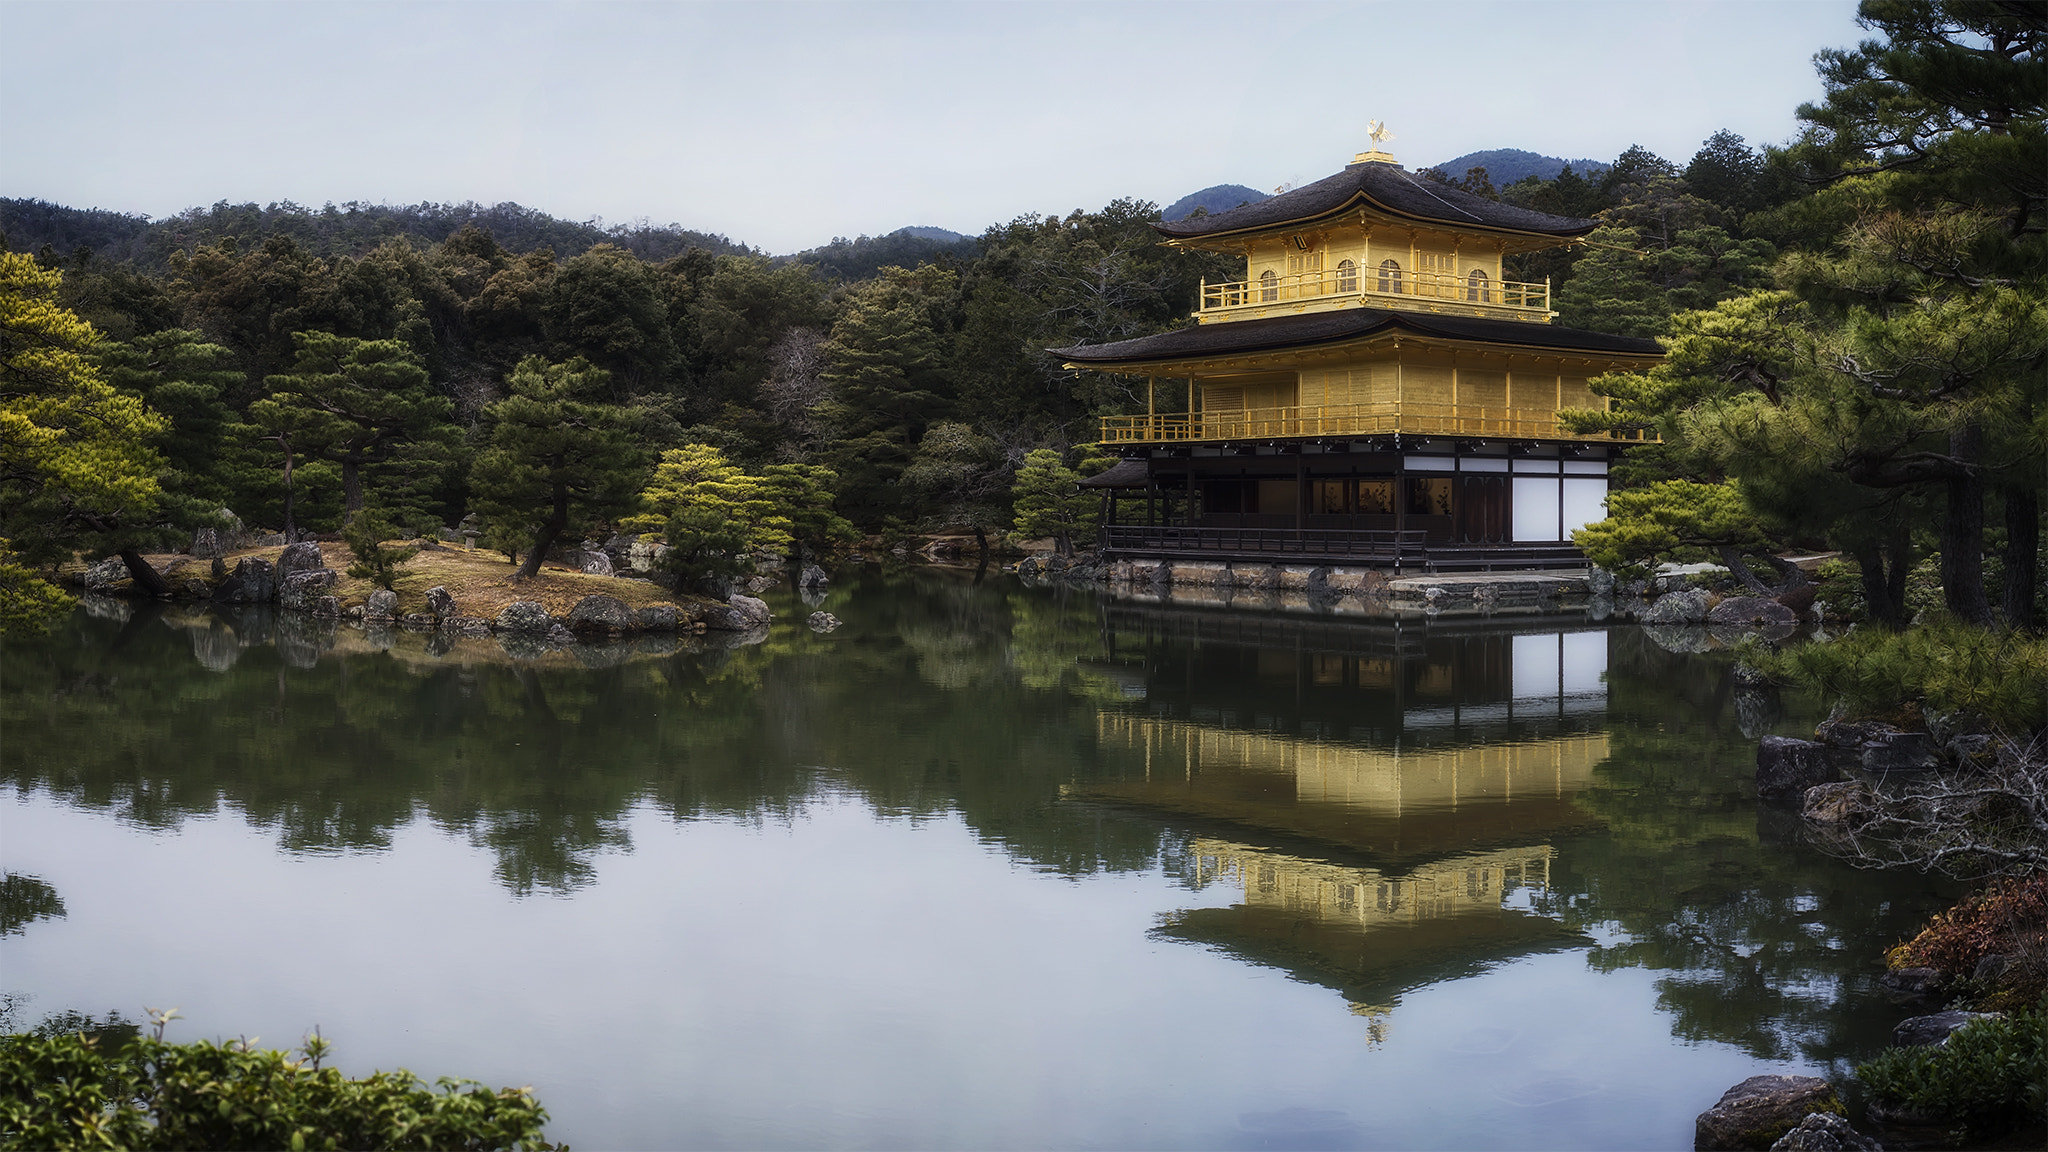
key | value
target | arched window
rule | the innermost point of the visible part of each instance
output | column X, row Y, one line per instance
column 1347, row 276
column 1390, row 277
column 1477, row 288
column 1269, row 285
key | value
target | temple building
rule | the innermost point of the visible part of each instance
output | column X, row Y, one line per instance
column 1373, row 391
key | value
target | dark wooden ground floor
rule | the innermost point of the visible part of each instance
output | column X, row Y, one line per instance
column 1429, row 506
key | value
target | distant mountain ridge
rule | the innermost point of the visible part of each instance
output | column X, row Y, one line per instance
column 1504, row 166
column 925, row 232
column 1214, row 199
column 350, row 229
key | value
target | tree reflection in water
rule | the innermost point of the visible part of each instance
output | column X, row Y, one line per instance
column 1357, row 762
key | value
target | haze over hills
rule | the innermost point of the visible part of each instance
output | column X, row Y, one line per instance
column 1504, row 166
column 351, row 229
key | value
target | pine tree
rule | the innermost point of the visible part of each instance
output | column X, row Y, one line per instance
column 558, row 457
column 712, row 515
column 77, row 465
column 367, row 407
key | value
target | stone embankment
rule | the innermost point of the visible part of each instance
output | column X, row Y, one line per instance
column 1686, row 609
column 299, row 580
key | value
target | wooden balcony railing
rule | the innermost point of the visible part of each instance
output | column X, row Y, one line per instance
column 1324, row 420
column 1405, row 288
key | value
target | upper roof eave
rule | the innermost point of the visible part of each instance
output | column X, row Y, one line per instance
column 1385, row 188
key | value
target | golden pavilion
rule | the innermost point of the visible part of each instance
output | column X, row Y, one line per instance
column 1373, row 391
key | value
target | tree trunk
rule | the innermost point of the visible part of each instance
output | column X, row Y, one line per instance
column 2022, row 556
column 1962, row 533
column 145, row 577
column 1731, row 558
column 351, row 489
column 550, row 531
column 1884, row 585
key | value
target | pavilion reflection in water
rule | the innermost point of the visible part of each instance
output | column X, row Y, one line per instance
column 1388, row 807
column 1370, row 933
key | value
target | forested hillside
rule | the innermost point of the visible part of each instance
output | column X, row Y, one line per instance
column 310, row 364
column 351, row 229
column 316, row 363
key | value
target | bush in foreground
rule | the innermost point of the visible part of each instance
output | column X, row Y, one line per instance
column 1989, row 1078
column 82, row 1090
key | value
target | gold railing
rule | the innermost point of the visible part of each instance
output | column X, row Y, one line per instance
column 1368, row 283
column 1350, row 420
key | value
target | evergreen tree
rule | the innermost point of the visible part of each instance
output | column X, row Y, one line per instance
column 78, row 469
column 558, row 459
column 712, row 515
column 888, row 380
column 369, row 409
column 1727, row 172
column 803, row 494
column 186, row 380
column 1047, row 501
column 962, row 479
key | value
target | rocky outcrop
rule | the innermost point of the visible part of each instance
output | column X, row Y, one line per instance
column 1685, row 606
column 1825, row 1132
column 209, row 544
column 524, row 616
column 812, row 576
column 1756, row 1113
column 822, row 621
column 299, row 591
column 252, row 582
column 1905, row 984
column 1845, row 805
column 601, row 614
column 466, row 625
column 381, row 606
column 658, row 618
column 739, row 614
column 1933, row 1029
column 597, row 563
column 1786, row 768
column 301, row 557
column 1900, row 752
column 106, row 574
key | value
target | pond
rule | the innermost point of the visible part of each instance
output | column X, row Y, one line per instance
column 989, row 866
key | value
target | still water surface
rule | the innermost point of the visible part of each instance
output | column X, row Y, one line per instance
column 988, row 867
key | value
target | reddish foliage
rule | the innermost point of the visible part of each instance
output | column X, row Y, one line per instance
column 2010, row 918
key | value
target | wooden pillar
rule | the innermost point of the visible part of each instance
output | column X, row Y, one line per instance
column 1300, row 495
column 1188, row 517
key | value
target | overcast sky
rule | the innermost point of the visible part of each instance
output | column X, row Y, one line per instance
column 782, row 125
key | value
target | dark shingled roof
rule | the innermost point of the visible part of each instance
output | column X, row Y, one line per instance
column 1122, row 474
column 1385, row 186
column 1311, row 328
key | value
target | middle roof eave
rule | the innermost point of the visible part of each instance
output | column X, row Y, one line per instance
column 1309, row 330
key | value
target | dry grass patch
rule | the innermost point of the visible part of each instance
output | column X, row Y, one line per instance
column 480, row 581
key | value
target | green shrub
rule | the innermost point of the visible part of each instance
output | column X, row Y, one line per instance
column 2002, row 676
column 365, row 536
column 84, row 1090
column 1990, row 1077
